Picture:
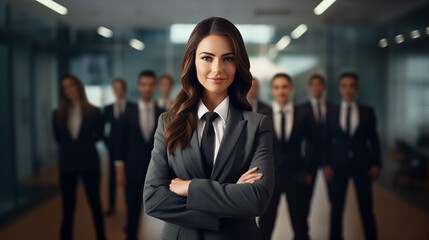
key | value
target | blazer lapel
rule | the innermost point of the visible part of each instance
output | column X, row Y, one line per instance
column 233, row 130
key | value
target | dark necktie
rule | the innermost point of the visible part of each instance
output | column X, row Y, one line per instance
column 319, row 113
column 348, row 130
column 283, row 127
column 208, row 141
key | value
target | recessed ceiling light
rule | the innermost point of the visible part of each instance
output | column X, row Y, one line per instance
column 399, row 39
column 137, row 44
column 54, row 6
column 105, row 32
column 415, row 34
column 427, row 30
column 321, row 8
column 383, row 43
column 283, row 43
column 297, row 33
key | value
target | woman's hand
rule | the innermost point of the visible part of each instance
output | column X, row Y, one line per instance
column 250, row 176
column 179, row 186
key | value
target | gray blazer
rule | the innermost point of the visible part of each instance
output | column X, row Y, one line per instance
column 216, row 207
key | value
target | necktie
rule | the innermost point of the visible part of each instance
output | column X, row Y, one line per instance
column 319, row 112
column 283, row 127
column 348, row 130
column 208, row 142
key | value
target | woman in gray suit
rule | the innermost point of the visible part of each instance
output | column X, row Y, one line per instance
column 211, row 171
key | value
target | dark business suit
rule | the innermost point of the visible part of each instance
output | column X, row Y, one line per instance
column 78, row 157
column 291, row 170
column 310, row 150
column 110, row 140
column 135, row 152
column 216, row 207
column 352, row 156
column 264, row 109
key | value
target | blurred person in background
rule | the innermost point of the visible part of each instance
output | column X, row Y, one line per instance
column 252, row 97
column 113, row 114
column 77, row 127
column 292, row 127
column 135, row 143
column 352, row 151
column 166, row 83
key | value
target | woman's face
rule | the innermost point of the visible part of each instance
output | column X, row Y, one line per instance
column 215, row 64
column 70, row 89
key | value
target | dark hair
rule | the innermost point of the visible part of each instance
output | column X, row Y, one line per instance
column 121, row 81
column 182, row 123
column 317, row 76
column 170, row 78
column 64, row 104
column 350, row 75
column 284, row 75
column 147, row 73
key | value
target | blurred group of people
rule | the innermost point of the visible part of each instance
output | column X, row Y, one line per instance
column 339, row 138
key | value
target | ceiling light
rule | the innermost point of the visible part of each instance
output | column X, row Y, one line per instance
column 383, row 43
column 427, row 30
column 321, row 8
column 415, row 34
column 105, row 32
column 283, row 43
column 297, row 33
column 139, row 45
column 399, row 39
column 54, row 6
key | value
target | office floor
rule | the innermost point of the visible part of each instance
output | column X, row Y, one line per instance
column 396, row 218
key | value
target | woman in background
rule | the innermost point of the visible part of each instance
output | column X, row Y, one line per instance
column 77, row 127
column 211, row 171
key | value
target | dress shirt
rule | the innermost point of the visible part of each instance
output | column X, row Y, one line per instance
column 288, row 110
column 314, row 103
column 146, row 118
column 218, row 124
column 119, row 108
column 75, row 121
column 164, row 103
column 354, row 116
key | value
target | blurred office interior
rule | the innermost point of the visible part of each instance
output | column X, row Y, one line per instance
column 385, row 41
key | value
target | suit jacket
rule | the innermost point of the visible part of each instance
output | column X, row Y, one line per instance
column 289, row 159
column 79, row 154
column 314, row 150
column 264, row 108
column 360, row 151
column 216, row 207
column 132, row 148
column 109, row 118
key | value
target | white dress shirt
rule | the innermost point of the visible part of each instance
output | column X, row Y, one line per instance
column 218, row 124
column 354, row 116
column 288, row 110
column 314, row 103
column 164, row 103
column 119, row 108
column 75, row 120
column 146, row 118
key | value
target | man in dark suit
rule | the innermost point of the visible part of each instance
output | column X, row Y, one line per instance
column 134, row 148
column 293, row 174
column 252, row 97
column 112, row 116
column 318, row 107
column 353, row 150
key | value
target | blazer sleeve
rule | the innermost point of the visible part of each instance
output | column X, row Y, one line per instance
column 239, row 200
column 327, row 137
column 97, row 119
column 163, row 204
column 314, row 138
column 56, row 128
column 374, row 139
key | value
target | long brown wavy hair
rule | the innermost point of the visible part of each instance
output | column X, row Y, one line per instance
column 64, row 103
column 180, row 118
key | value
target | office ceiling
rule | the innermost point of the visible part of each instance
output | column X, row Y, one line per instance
column 163, row 13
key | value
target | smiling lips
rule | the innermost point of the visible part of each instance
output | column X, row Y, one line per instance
column 216, row 80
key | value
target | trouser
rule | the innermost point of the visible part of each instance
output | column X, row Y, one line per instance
column 112, row 182
column 363, row 187
column 296, row 197
column 134, row 198
column 91, row 182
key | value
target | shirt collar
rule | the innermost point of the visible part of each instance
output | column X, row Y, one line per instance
column 143, row 105
column 221, row 109
column 344, row 104
column 314, row 101
column 287, row 108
